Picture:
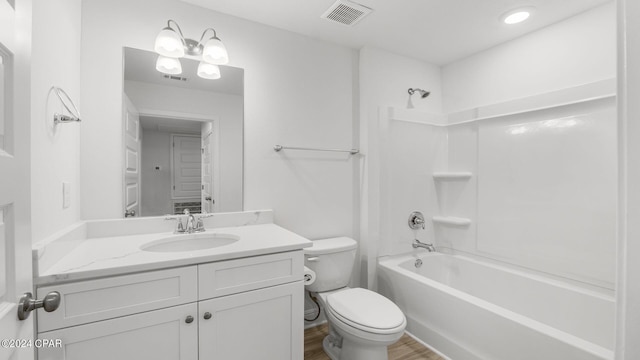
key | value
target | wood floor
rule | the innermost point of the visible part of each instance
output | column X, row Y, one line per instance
column 405, row 349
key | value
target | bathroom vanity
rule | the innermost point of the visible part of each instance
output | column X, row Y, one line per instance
column 136, row 295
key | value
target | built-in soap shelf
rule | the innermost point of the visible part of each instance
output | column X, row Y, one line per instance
column 451, row 220
column 452, row 175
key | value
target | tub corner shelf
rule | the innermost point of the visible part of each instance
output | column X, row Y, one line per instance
column 451, row 220
column 452, row 175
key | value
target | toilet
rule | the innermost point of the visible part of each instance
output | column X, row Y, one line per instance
column 362, row 323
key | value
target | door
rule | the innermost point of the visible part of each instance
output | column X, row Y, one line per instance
column 207, row 198
column 166, row 334
column 185, row 167
column 229, row 328
column 15, row 233
column 132, row 142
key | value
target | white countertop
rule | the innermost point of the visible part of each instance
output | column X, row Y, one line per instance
column 108, row 256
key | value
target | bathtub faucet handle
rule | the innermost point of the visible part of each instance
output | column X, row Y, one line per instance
column 416, row 220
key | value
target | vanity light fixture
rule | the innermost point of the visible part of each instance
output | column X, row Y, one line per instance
column 516, row 16
column 171, row 45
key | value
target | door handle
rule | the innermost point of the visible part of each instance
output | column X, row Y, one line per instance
column 27, row 304
column 208, row 198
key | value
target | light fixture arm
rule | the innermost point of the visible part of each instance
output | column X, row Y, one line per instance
column 179, row 30
column 204, row 32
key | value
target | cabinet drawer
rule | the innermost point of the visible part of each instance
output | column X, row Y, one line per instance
column 94, row 300
column 234, row 276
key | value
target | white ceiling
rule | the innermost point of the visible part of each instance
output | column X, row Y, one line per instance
column 140, row 65
column 436, row 31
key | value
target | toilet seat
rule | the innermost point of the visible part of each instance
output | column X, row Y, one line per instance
column 366, row 310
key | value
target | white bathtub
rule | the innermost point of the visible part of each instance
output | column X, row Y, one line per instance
column 469, row 309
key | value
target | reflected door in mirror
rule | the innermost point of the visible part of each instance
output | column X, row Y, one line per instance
column 131, row 159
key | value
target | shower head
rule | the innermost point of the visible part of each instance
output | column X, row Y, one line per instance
column 423, row 93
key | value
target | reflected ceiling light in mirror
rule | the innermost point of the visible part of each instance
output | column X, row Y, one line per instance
column 208, row 71
column 171, row 44
column 516, row 16
column 168, row 65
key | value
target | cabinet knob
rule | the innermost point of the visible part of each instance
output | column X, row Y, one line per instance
column 207, row 315
column 189, row 319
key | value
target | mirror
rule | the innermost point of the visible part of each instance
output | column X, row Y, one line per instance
column 183, row 138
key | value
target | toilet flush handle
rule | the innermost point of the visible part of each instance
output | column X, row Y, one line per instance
column 313, row 258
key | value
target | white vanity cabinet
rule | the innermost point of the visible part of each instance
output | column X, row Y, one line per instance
column 245, row 308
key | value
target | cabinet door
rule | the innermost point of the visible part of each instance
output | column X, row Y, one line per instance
column 155, row 335
column 259, row 324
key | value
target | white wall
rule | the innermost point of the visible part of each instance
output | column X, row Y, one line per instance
column 55, row 152
column 384, row 80
column 298, row 91
column 227, row 109
column 579, row 50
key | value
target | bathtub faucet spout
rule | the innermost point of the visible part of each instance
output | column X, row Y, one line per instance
column 418, row 244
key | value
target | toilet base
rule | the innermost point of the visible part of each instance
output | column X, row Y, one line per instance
column 331, row 349
column 352, row 350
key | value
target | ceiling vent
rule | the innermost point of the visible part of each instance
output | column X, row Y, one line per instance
column 346, row 12
column 173, row 77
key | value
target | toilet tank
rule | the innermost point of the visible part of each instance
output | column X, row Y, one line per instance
column 332, row 260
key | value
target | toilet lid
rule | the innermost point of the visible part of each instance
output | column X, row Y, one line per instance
column 366, row 310
column 331, row 245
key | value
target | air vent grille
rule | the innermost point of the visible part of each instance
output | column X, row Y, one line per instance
column 346, row 12
column 173, row 77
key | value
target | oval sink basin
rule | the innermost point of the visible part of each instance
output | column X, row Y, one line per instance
column 190, row 242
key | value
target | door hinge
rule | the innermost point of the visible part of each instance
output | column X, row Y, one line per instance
column 201, row 187
column 174, row 187
column 202, row 151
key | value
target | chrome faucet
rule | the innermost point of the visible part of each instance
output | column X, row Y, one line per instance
column 193, row 223
column 190, row 222
column 418, row 244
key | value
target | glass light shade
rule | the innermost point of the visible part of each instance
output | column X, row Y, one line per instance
column 168, row 43
column 168, row 65
column 208, row 71
column 215, row 52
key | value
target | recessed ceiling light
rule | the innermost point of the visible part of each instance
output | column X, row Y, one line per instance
column 516, row 16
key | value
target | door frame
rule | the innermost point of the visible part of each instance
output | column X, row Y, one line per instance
column 215, row 120
column 16, row 183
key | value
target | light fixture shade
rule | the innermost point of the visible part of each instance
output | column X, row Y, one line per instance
column 169, row 43
column 215, row 52
column 168, row 65
column 208, row 71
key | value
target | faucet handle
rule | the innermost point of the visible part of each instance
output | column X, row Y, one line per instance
column 416, row 220
column 179, row 228
column 199, row 225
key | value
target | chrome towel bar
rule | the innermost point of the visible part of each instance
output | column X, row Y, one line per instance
column 280, row 147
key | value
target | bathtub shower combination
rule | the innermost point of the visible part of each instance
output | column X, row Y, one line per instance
column 470, row 309
column 520, row 205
